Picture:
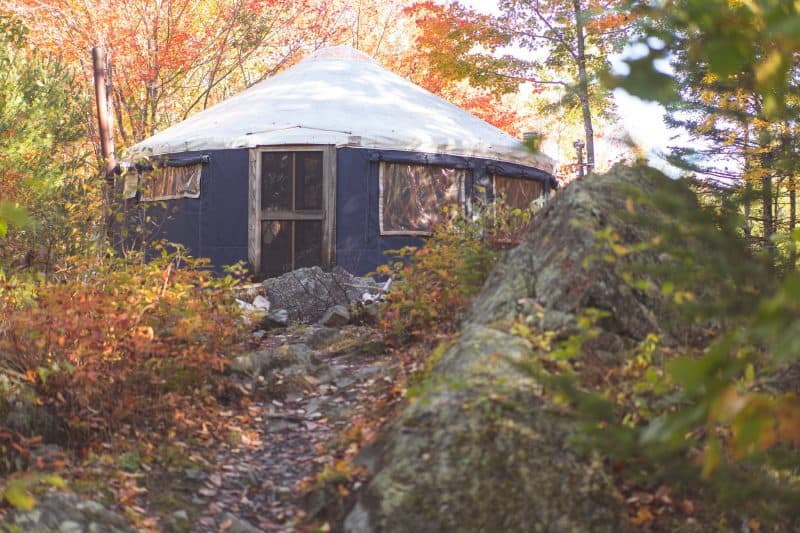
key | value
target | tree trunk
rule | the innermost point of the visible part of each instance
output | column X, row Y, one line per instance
column 748, row 189
column 766, row 207
column 583, row 86
column 105, row 124
column 792, row 219
column 748, row 228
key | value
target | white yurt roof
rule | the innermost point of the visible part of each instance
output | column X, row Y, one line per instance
column 333, row 97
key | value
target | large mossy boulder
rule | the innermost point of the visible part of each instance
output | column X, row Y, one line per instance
column 481, row 448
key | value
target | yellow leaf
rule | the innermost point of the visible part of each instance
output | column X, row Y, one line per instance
column 18, row 497
column 55, row 481
column 643, row 516
column 769, row 67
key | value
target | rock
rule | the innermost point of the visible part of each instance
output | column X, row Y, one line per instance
column 279, row 318
column 319, row 336
column 297, row 379
column 20, row 413
column 238, row 525
column 264, row 361
column 60, row 511
column 178, row 521
column 483, row 448
column 248, row 292
column 306, row 293
column 335, row 317
column 250, row 313
column 261, row 302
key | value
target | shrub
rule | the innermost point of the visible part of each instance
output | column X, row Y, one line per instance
column 119, row 342
column 433, row 284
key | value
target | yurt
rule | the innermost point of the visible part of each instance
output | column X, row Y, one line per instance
column 333, row 161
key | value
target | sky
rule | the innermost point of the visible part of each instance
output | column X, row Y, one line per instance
column 642, row 120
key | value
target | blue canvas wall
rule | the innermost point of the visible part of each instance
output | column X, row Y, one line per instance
column 360, row 247
column 215, row 225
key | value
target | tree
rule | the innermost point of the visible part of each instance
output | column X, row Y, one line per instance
column 730, row 75
column 566, row 43
column 40, row 126
column 175, row 57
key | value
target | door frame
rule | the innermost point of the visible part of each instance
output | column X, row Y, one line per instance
column 256, row 215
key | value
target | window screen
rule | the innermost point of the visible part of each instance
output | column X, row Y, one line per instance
column 412, row 196
column 516, row 192
column 308, row 181
column 292, row 210
column 276, row 180
column 169, row 183
column 276, row 247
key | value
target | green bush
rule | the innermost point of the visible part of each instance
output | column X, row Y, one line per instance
column 434, row 284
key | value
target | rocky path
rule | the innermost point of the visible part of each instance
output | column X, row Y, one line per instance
column 308, row 407
column 298, row 416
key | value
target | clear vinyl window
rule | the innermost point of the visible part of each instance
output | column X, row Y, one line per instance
column 516, row 192
column 167, row 183
column 412, row 197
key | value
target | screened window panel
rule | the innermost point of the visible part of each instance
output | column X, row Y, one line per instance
column 308, row 243
column 169, row 183
column 276, row 181
column 413, row 196
column 308, row 181
column 517, row 193
column 276, row 247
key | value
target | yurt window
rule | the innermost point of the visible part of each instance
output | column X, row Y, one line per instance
column 170, row 183
column 412, row 197
column 516, row 192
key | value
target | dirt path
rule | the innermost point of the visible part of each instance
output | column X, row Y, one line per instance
column 254, row 483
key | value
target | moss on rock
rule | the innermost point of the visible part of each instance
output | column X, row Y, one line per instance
column 480, row 448
column 483, row 451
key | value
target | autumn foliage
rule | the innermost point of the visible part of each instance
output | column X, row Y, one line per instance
column 119, row 345
column 435, row 283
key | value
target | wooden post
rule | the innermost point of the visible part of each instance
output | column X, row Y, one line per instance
column 105, row 131
column 104, row 120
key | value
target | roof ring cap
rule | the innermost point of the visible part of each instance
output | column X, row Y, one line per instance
column 341, row 51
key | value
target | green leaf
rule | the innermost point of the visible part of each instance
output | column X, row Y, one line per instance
column 13, row 215
column 686, row 372
column 644, row 80
column 725, row 56
column 748, row 426
column 667, row 288
column 713, row 456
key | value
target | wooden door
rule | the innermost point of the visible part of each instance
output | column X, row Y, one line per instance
column 292, row 192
